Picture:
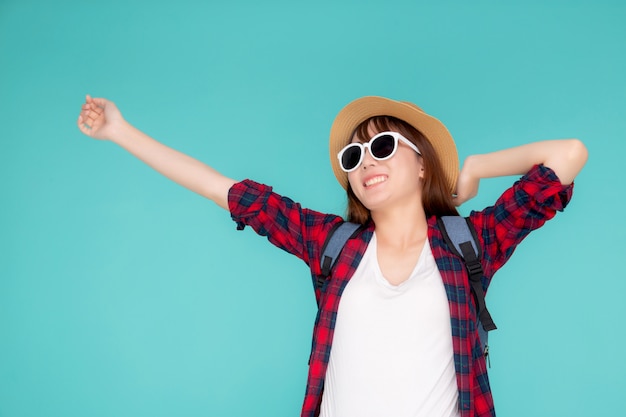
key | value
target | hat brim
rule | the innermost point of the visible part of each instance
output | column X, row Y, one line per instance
column 363, row 108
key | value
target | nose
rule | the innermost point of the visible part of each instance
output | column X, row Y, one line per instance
column 368, row 160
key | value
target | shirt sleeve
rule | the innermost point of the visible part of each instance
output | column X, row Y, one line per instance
column 285, row 223
column 524, row 207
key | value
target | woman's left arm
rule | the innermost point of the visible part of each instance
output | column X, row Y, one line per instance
column 565, row 157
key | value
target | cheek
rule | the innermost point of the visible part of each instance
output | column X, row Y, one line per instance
column 412, row 165
column 352, row 179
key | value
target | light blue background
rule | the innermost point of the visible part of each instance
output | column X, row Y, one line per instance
column 123, row 294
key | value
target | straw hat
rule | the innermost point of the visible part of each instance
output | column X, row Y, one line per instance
column 363, row 108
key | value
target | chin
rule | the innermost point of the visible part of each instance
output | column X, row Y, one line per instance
column 373, row 204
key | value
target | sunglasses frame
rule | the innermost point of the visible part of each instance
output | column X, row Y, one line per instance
column 396, row 137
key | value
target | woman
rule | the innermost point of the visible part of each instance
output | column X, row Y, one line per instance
column 402, row 342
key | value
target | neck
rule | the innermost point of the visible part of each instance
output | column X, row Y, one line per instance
column 401, row 226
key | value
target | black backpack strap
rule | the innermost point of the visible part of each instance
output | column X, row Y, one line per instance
column 460, row 236
column 475, row 276
column 335, row 241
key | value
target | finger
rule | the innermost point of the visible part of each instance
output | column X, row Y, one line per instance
column 85, row 109
column 88, row 117
column 88, row 101
column 85, row 121
column 91, row 103
column 95, row 103
column 91, row 116
column 90, row 113
column 99, row 102
column 83, row 127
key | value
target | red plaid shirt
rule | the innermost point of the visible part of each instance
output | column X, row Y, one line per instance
column 525, row 206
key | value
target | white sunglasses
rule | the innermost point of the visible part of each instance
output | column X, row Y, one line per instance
column 382, row 146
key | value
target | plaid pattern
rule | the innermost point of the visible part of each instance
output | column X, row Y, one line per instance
column 525, row 206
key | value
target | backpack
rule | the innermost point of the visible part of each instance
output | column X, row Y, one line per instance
column 460, row 236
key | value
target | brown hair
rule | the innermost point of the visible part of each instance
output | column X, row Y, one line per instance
column 436, row 197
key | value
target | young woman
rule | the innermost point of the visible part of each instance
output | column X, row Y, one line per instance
column 403, row 340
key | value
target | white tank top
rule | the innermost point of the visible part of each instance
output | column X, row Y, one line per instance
column 392, row 348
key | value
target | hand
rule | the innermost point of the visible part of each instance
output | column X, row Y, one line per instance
column 466, row 186
column 99, row 118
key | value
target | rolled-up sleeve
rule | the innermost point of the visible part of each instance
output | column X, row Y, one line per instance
column 526, row 206
column 285, row 223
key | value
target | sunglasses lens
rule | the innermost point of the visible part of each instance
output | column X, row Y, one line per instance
column 351, row 157
column 383, row 146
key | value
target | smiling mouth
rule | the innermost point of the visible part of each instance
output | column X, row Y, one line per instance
column 375, row 180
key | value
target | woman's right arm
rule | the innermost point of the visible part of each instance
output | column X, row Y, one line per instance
column 100, row 119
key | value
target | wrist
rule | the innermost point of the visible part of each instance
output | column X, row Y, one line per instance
column 120, row 132
column 471, row 167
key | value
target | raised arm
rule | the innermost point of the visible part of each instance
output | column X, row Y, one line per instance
column 100, row 119
column 565, row 157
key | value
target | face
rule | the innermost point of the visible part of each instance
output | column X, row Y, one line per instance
column 383, row 184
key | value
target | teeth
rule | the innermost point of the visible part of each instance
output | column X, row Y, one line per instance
column 375, row 180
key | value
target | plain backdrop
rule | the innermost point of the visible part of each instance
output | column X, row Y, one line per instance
column 123, row 294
